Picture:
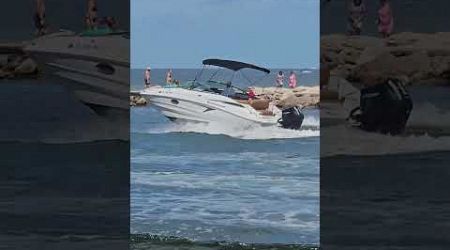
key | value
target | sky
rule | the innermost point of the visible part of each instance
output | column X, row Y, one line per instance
column 181, row 33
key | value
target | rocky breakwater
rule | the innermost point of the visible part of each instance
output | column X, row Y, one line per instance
column 17, row 66
column 286, row 97
column 415, row 58
column 137, row 100
column 283, row 97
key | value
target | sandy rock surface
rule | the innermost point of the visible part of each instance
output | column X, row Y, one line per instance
column 12, row 66
column 418, row 58
column 286, row 97
column 137, row 100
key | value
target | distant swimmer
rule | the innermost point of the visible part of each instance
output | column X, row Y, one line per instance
column 280, row 79
column 147, row 75
column 91, row 15
column 39, row 18
column 385, row 19
column 357, row 12
column 169, row 77
column 292, row 80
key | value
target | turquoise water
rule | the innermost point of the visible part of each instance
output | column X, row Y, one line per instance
column 211, row 183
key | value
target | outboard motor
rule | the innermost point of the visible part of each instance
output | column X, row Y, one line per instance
column 385, row 108
column 291, row 118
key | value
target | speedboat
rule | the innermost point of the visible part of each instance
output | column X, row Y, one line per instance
column 214, row 101
column 96, row 62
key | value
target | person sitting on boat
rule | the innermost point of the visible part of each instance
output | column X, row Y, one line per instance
column 270, row 108
column 147, row 75
column 169, row 77
column 39, row 18
column 251, row 94
column 91, row 15
column 280, row 79
column 292, row 80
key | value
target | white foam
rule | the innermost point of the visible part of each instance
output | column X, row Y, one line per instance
column 358, row 142
column 249, row 133
column 427, row 115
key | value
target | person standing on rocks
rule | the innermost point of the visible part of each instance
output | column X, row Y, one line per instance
column 39, row 18
column 357, row 12
column 169, row 77
column 292, row 80
column 91, row 15
column 385, row 19
column 280, row 79
column 147, row 75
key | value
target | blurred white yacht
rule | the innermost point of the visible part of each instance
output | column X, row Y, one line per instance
column 97, row 62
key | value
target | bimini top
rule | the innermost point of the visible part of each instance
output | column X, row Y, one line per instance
column 233, row 65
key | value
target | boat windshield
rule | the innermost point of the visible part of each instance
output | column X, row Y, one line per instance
column 217, row 87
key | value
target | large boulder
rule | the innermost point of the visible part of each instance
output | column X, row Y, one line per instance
column 26, row 67
column 287, row 97
column 137, row 100
column 421, row 58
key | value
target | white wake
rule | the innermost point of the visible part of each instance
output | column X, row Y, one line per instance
column 256, row 132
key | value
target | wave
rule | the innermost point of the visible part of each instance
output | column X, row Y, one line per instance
column 427, row 115
column 362, row 143
column 149, row 241
column 246, row 133
column 427, row 130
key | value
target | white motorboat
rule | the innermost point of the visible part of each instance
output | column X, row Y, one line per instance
column 219, row 102
column 97, row 63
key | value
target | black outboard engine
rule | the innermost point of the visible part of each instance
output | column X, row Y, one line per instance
column 291, row 118
column 385, row 108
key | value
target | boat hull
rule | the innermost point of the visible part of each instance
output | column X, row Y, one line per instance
column 201, row 107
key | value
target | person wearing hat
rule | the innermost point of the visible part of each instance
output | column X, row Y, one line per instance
column 147, row 77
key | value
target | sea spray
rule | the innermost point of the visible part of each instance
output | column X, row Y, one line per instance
column 359, row 142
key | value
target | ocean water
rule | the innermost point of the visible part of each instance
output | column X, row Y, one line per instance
column 212, row 183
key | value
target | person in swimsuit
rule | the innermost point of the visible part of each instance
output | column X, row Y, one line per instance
column 39, row 18
column 280, row 79
column 91, row 15
column 147, row 75
column 169, row 77
column 357, row 11
column 292, row 80
column 385, row 19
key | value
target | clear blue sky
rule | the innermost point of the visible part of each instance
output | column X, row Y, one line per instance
column 181, row 33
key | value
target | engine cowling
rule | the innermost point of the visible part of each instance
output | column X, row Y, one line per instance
column 291, row 118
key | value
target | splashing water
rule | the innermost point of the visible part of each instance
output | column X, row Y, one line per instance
column 310, row 128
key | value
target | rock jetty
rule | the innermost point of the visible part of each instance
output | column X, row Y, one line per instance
column 283, row 97
column 286, row 97
column 17, row 66
column 416, row 58
column 137, row 100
